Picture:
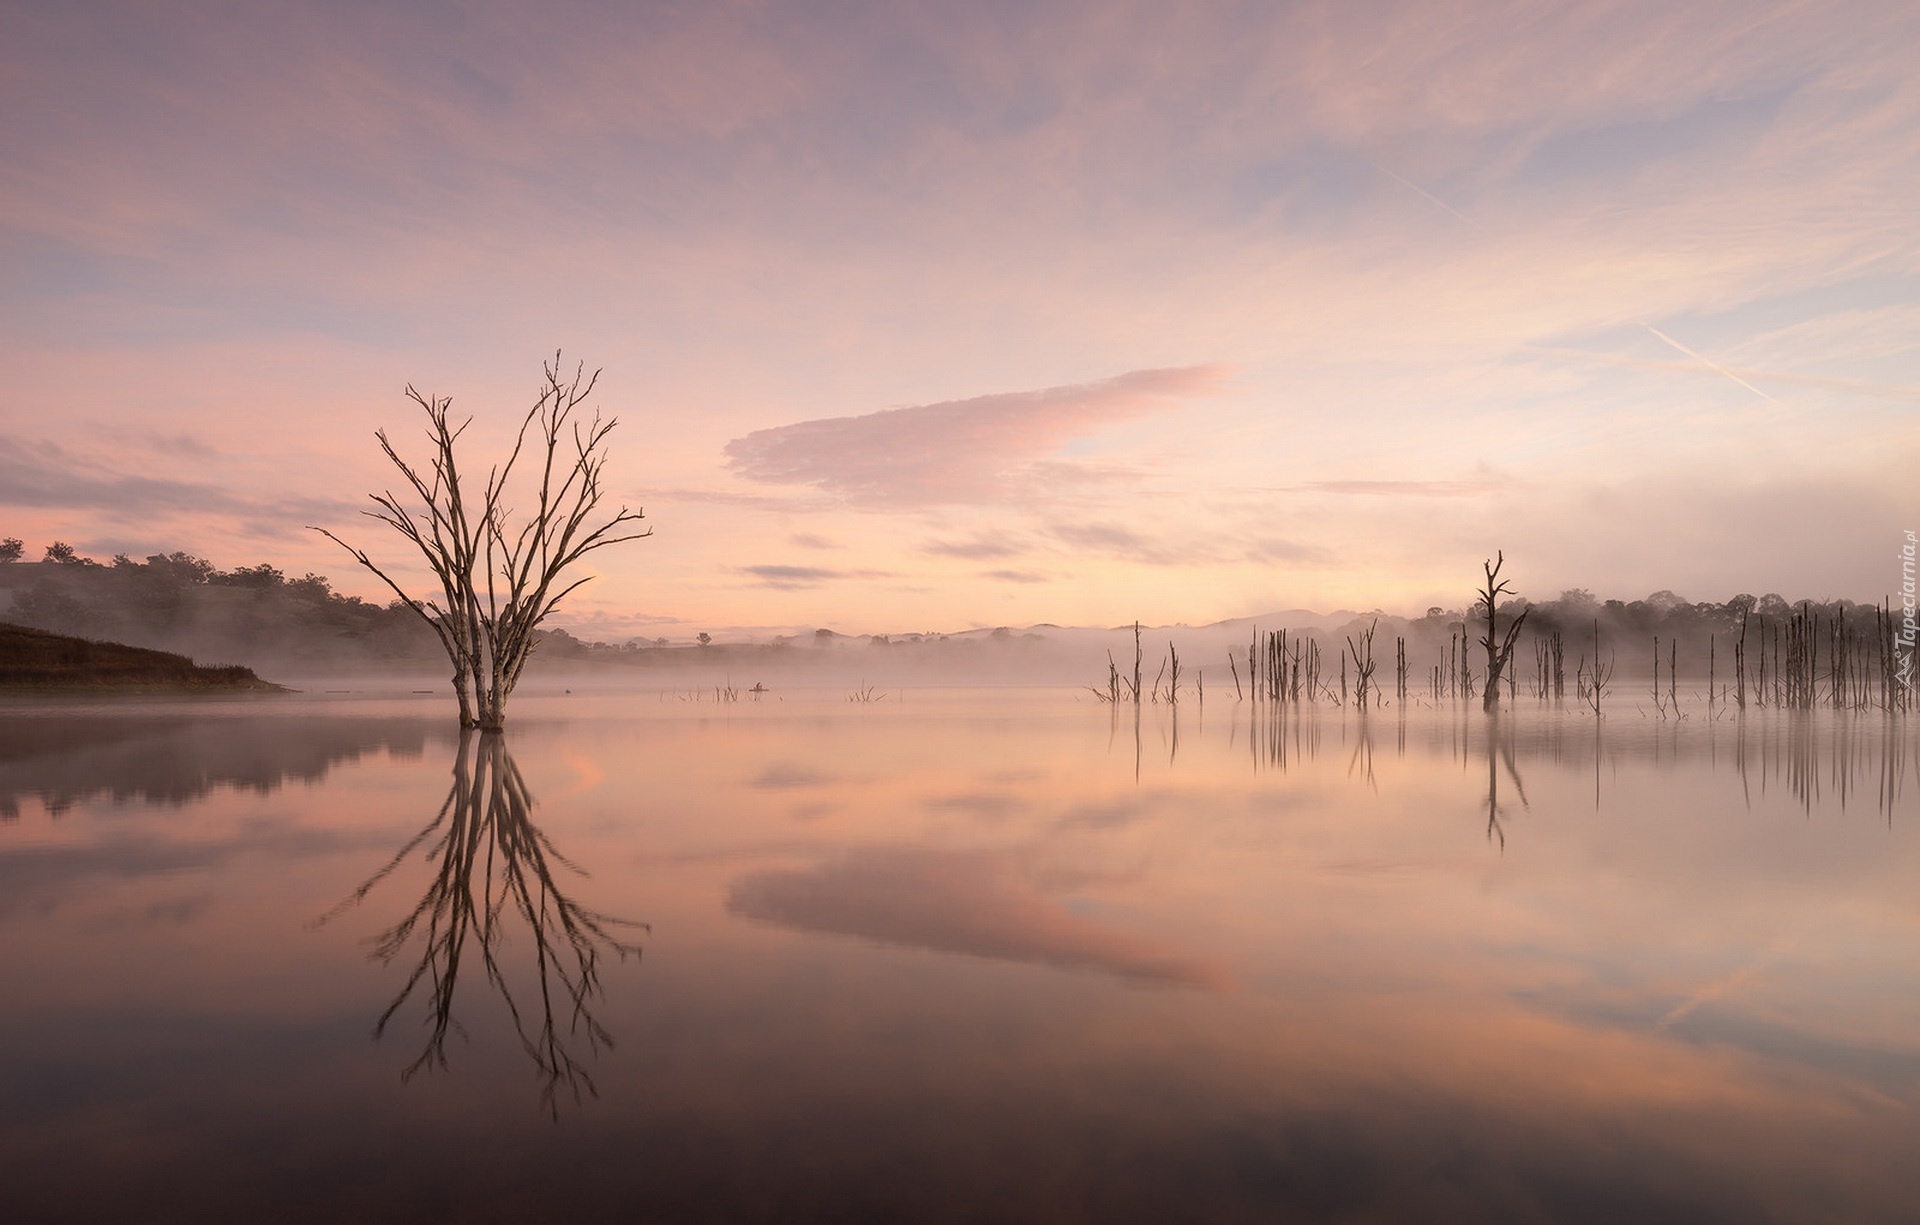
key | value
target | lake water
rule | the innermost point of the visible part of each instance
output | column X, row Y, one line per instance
column 954, row 956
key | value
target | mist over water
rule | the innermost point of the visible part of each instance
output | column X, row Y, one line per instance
column 951, row 954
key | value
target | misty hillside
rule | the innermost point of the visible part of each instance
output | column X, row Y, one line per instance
column 181, row 603
column 258, row 617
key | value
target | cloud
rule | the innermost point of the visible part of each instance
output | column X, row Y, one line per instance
column 1014, row 576
column 1485, row 480
column 723, row 497
column 788, row 578
column 42, row 474
column 980, row 548
column 1408, row 489
column 1223, row 547
column 807, row 540
column 1115, row 540
column 1276, row 549
column 976, row 903
column 958, row 451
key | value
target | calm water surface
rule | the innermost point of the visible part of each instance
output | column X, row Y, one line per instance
column 954, row 956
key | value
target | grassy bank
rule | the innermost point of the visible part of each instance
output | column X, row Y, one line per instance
column 36, row 661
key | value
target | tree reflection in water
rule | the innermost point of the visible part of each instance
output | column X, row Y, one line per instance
column 491, row 863
column 1500, row 750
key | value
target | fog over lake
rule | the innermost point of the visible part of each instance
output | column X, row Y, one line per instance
column 955, row 955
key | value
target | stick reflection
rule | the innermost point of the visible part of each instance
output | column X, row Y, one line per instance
column 492, row 874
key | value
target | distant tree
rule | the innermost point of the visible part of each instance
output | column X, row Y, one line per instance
column 311, row 587
column 499, row 580
column 704, row 638
column 11, row 549
column 49, row 609
column 180, row 567
column 260, row 577
column 62, row 552
column 1499, row 648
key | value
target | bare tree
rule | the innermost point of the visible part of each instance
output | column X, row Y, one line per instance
column 499, row 580
column 1499, row 648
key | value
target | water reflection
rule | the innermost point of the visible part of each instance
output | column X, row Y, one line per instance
column 64, row 759
column 943, row 960
column 493, row 879
column 986, row 904
column 1816, row 757
column 1500, row 747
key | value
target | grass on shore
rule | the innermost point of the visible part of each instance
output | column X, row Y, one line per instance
column 37, row 661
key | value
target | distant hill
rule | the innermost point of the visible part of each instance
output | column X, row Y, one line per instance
column 182, row 604
column 38, row 660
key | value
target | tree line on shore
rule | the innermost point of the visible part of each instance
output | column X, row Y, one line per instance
column 248, row 614
column 178, row 601
column 181, row 602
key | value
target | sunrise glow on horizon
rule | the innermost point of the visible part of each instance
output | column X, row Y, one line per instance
column 927, row 317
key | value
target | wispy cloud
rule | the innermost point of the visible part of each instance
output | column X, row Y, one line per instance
column 789, row 578
column 1119, row 541
column 980, row 548
column 727, row 497
column 45, row 475
column 1276, row 548
column 1409, row 489
column 957, row 451
column 1014, row 576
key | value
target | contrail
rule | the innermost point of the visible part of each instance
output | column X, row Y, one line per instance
column 1708, row 362
column 1435, row 200
column 1862, row 387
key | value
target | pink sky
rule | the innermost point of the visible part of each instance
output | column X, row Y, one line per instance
column 927, row 317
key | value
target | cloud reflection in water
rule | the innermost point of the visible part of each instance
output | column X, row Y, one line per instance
column 972, row 902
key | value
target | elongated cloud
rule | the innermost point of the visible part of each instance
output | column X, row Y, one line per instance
column 956, row 902
column 46, row 475
column 787, row 578
column 958, row 451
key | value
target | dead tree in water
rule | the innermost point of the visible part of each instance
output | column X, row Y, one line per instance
column 1591, row 687
column 499, row 581
column 1499, row 648
column 1740, row 664
column 1362, row 653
